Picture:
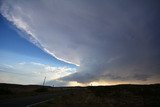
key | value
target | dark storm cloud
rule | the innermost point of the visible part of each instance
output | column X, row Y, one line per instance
column 115, row 40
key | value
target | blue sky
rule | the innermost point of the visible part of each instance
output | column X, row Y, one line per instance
column 80, row 42
column 15, row 50
column 13, row 42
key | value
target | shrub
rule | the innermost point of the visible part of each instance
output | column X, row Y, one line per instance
column 43, row 89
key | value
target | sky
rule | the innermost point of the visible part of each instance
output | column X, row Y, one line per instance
column 24, row 63
column 80, row 42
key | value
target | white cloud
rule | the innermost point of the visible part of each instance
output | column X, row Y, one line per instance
column 22, row 63
column 53, row 72
column 55, row 69
column 34, row 70
column 59, row 69
column 39, row 64
column 47, row 51
column 8, row 66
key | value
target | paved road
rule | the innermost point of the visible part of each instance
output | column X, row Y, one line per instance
column 23, row 102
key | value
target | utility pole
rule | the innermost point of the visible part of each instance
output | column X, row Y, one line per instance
column 44, row 81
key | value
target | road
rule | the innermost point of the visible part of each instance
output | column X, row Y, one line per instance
column 25, row 101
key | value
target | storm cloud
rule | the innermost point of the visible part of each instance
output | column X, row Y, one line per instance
column 111, row 40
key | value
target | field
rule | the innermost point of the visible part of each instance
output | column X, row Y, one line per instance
column 100, row 96
column 8, row 91
column 109, row 96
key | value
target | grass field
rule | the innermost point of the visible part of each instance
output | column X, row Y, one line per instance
column 13, row 90
column 100, row 96
column 109, row 96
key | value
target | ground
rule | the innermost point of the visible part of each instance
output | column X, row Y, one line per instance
column 100, row 96
column 109, row 96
